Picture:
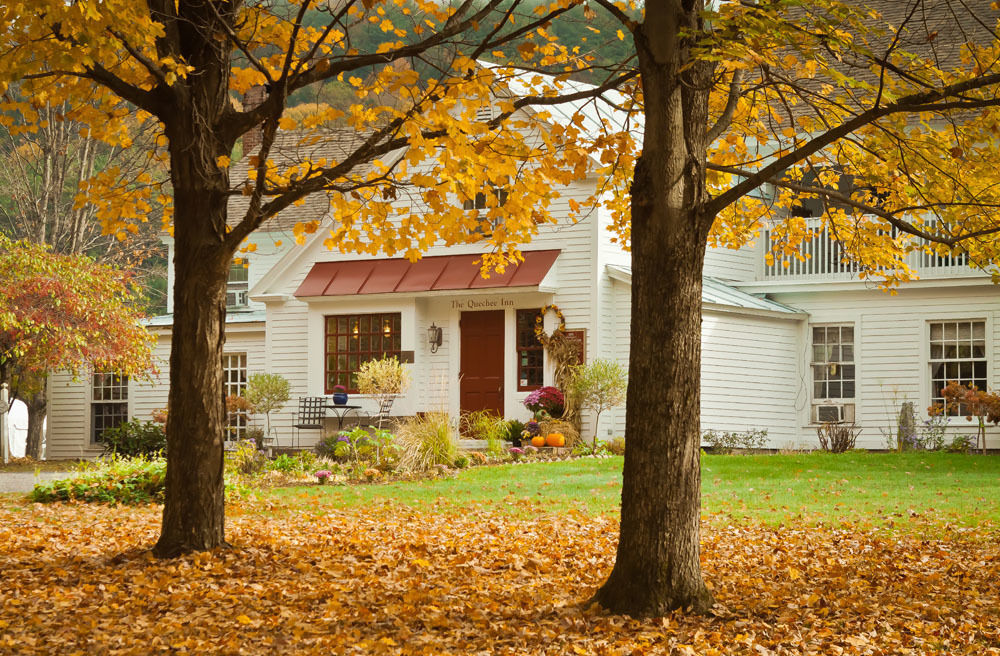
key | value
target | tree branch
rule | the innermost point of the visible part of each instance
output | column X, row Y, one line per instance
column 927, row 101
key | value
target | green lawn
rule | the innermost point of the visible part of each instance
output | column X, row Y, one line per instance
column 905, row 490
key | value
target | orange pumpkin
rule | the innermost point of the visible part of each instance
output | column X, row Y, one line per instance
column 555, row 439
column 538, row 440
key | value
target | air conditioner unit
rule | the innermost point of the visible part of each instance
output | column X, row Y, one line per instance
column 833, row 413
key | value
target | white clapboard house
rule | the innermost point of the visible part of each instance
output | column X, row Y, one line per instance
column 784, row 348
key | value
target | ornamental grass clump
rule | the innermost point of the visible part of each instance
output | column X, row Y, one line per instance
column 426, row 441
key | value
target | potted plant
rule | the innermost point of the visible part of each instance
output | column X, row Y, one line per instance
column 339, row 395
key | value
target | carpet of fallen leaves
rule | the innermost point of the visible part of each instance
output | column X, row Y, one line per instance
column 391, row 580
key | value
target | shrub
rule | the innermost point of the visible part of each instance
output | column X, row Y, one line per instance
column 837, row 438
column 245, row 459
column 115, row 480
column 961, row 444
column 327, row 447
column 616, row 446
column 485, row 425
column 514, row 430
column 383, row 378
column 134, row 439
column 598, row 386
column 267, row 393
column 426, row 441
column 932, row 433
column 725, row 441
column 546, row 399
column 462, row 461
column 285, row 463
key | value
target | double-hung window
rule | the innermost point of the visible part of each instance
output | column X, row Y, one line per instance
column 238, row 285
column 957, row 353
column 833, row 363
column 109, row 404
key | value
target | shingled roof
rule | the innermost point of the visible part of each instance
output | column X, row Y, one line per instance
column 333, row 145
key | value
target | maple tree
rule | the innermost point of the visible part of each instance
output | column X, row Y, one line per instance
column 178, row 63
column 64, row 312
column 743, row 112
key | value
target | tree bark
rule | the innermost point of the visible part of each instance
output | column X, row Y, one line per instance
column 37, row 406
column 194, row 509
column 657, row 568
column 193, row 512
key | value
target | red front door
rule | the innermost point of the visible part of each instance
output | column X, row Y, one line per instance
column 481, row 368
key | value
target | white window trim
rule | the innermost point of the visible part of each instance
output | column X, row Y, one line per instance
column 240, row 434
column 926, row 393
column 811, row 362
column 89, row 421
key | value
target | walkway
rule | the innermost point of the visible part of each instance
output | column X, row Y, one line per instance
column 25, row 481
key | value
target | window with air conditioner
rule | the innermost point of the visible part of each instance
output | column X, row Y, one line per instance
column 833, row 373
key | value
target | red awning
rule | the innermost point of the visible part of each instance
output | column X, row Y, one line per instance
column 442, row 272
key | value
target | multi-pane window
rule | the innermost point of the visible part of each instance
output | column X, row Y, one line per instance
column 482, row 200
column 234, row 382
column 352, row 339
column 833, row 362
column 530, row 358
column 238, row 285
column 109, row 403
column 957, row 353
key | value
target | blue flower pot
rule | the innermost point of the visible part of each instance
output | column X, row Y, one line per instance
column 340, row 398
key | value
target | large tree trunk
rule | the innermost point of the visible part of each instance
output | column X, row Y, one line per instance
column 657, row 568
column 37, row 406
column 194, row 512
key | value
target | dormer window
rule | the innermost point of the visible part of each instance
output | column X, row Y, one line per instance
column 481, row 201
column 238, row 285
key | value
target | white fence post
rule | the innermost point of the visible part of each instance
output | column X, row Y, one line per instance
column 4, row 436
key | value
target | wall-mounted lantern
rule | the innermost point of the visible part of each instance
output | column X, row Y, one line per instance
column 434, row 337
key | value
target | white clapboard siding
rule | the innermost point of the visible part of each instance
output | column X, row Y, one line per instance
column 749, row 375
column 68, row 420
column 891, row 336
column 729, row 264
column 749, row 372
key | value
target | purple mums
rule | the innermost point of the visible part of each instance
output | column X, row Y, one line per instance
column 547, row 399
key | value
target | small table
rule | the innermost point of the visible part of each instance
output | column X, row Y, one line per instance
column 340, row 411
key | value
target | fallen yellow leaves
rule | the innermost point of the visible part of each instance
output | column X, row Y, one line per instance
column 391, row 580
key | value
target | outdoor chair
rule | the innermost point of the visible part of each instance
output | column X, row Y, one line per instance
column 311, row 415
column 383, row 411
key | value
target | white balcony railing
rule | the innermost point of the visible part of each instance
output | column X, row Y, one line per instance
column 824, row 260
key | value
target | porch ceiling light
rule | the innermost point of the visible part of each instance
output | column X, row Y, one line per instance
column 434, row 337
